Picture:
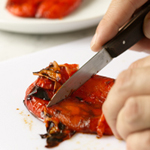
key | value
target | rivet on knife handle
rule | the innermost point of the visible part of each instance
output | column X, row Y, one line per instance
column 134, row 28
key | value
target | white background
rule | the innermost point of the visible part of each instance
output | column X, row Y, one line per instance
column 18, row 131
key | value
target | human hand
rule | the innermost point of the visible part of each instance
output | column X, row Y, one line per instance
column 127, row 107
column 118, row 14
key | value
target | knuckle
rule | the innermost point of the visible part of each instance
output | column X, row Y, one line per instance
column 135, row 64
column 124, row 79
column 132, row 111
column 128, row 118
column 143, row 62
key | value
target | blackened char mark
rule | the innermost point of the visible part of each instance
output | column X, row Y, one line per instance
column 39, row 93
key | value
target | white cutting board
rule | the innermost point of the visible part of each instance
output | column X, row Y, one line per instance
column 18, row 129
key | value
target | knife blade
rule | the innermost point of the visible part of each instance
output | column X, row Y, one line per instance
column 129, row 34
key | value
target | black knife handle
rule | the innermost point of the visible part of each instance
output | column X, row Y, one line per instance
column 130, row 34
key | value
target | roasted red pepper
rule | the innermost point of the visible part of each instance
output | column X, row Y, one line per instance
column 42, row 8
column 80, row 112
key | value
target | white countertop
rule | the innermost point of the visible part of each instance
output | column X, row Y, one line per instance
column 14, row 44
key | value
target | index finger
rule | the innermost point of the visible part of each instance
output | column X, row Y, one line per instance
column 118, row 13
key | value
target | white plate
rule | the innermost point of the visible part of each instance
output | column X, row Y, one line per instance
column 87, row 15
column 18, row 129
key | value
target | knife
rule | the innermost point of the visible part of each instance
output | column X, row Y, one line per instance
column 129, row 34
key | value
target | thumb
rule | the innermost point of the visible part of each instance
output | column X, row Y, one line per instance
column 146, row 26
column 118, row 13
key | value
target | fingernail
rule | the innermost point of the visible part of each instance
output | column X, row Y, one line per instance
column 147, row 26
column 93, row 42
column 118, row 137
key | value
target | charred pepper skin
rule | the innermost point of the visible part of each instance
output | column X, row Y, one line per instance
column 81, row 112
